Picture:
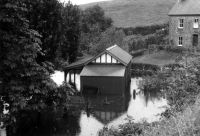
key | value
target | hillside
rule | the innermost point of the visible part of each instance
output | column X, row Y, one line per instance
column 131, row 13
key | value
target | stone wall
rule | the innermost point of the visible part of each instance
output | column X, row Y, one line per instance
column 186, row 32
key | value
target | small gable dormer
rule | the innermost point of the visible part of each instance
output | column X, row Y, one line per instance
column 106, row 59
column 112, row 55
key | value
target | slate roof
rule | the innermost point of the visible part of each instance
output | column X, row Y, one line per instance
column 186, row 7
column 115, row 51
column 78, row 63
column 120, row 54
column 103, row 70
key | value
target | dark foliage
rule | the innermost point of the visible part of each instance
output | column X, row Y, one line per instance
column 71, row 32
column 24, row 78
column 93, row 24
column 143, row 30
column 45, row 17
column 159, row 38
column 48, row 122
column 94, row 19
column 59, row 26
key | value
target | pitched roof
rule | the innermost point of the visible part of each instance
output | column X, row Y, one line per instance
column 103, row 70
column 186, row 7
column 120, row 54
column 78, row 63
column 115, row 51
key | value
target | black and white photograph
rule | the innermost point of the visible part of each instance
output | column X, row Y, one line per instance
column 99, row 67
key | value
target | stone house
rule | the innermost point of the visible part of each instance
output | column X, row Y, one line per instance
column 184, row 29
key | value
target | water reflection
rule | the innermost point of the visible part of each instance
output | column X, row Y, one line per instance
column 94, row 113
column 112, row 111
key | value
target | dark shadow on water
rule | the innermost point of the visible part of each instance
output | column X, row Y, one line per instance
column 151, row 94
column 48, row 123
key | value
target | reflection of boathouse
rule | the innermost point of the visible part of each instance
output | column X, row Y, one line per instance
column 106, row 73
column 106, row 112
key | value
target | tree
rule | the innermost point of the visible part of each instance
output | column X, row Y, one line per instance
column 109, row 38
column 25, row 83
column 94, row 19
column 93, row 23
column 45, row 16
column 59, row 25
column 71, row 32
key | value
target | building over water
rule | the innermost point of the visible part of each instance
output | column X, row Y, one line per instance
column 184, row 23
column 106, row 73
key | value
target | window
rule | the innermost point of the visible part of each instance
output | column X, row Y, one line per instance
column 196, row 23
column 181, row 23
column 180, row 41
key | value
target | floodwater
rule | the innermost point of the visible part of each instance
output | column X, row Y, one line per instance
column 2, row 132
column 112, row 111
column 96, row 113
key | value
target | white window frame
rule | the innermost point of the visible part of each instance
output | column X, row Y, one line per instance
column 196, row 23
column 109, row 58
column 98, row 60
column 180, row 41
column 106, row 59
column 181, row 23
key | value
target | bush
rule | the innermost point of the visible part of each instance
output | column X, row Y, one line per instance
column 158, row 38
column 184, row 123
column 128, row 129
column 143, row 30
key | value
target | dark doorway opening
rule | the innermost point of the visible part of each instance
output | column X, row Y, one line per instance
column 195, row 40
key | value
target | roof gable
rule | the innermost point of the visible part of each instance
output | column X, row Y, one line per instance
column 115, row 52
column 185, row 7
column 118, row 53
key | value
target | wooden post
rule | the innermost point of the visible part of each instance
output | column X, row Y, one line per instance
column 65, row 76
column 70, row 80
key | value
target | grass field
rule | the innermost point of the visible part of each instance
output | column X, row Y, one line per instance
column 160, row 58
column 132, row 13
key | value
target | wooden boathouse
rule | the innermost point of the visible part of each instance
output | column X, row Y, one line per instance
column 106, row 73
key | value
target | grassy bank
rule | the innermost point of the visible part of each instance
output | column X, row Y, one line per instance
column 160, row 58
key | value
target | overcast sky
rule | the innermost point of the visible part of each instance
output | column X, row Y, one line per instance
column 78, row 2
